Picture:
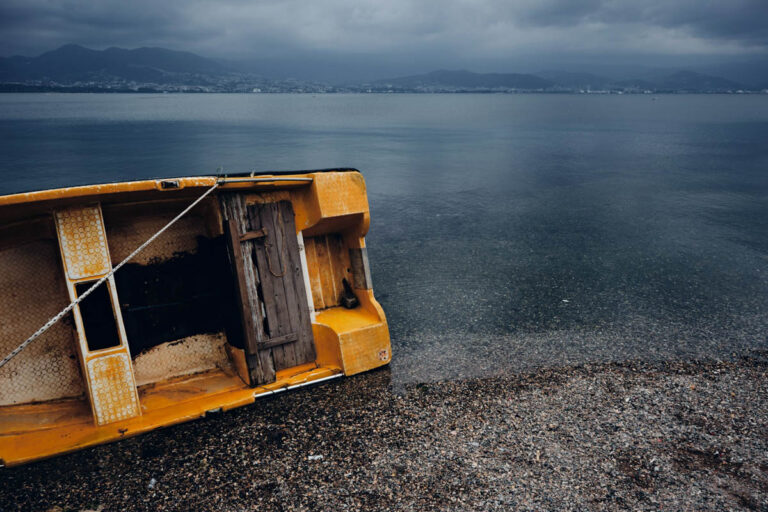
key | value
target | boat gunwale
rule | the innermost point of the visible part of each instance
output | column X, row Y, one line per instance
column 150, row 184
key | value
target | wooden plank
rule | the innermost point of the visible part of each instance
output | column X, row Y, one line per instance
column 361, row 270
column 314, row 273
column 339, row 263
column 280, row 340
column 305, row 348
column 330, row 297
column 293, row 274
column 249, row 330
column 285, row 297
column 250, row 235
column 269, row 264
column 260, row 364
column 280, row 255
column 262, row 361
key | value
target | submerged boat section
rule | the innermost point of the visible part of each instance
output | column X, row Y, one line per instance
column 263, row 286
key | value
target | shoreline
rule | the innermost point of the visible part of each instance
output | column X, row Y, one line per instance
column 675, row 435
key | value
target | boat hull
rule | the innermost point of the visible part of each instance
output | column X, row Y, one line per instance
column 202, row 320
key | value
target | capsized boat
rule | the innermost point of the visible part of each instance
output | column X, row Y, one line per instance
column 126, row 307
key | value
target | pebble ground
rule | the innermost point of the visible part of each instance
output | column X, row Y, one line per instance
column 662, row 436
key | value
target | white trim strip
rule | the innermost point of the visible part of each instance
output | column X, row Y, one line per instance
column 305, row 271
column 296, row 386
column 225, row 181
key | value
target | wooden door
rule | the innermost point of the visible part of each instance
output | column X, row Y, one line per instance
column 265, row 256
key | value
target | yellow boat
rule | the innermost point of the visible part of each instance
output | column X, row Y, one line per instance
column 126, row 307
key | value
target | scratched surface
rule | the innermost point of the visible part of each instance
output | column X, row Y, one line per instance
column 83, row 242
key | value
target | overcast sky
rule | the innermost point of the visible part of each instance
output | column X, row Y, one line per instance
column 443, row 31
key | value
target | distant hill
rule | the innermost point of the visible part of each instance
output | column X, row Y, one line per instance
column 691, row 81
column 575, row 80
column 73, row 63
column 74, row 68
column 633, row 84
column 679, row 81
column 752, row 72
column 467, row 81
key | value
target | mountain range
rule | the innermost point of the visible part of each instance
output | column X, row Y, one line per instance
column 74, row 67
column 445, row 80
column 74, row 63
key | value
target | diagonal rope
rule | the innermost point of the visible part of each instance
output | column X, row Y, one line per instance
column 77, row 301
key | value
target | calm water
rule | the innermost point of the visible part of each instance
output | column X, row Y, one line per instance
column 508, row 231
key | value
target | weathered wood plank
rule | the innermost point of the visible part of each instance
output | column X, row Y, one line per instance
column 284, row 216
column 338, row 262
column 270, row 270
column 276, row 315
column 330, row 296
column 249, row 329
column 285, row 298
column 314, row 273
column 280, row 340
column 260, row 364
column 260, row 233
column 361, row 270
column 296, row 291
column 279, row 255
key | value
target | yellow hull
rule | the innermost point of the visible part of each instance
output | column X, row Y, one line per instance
column 182, row 340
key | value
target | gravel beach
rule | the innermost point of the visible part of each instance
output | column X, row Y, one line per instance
column 674, row 436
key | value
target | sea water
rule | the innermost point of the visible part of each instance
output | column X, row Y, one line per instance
column 507, row 231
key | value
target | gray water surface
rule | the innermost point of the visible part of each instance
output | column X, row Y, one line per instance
column 508, row 231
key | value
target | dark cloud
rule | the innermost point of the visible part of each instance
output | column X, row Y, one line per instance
column 460, row 29
column 743, row 21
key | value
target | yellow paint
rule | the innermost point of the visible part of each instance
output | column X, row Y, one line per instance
column 31, row 432
column 326, row 345
column 112, row 388
column 83, row 242
column 237, row 357
column 333, row 207
column 143, row 186
column 362, row 338
column 108, row 373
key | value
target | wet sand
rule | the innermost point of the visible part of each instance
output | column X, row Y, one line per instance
column 678, row 436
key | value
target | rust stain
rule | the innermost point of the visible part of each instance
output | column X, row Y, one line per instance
column 112, row 389
column 83, row 242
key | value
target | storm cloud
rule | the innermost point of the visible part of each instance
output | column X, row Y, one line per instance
column 464, row 29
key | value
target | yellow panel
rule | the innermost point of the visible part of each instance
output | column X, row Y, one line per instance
column 112, row 389
column 363, row 338
column 340, row 193
column 83, row 242
column 166, row 404
column 365, row 349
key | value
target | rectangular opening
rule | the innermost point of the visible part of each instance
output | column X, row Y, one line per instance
column 98, row 317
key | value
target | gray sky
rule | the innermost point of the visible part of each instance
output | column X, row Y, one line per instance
column 442, row 31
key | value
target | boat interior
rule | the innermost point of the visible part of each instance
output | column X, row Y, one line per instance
column 263, row 286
